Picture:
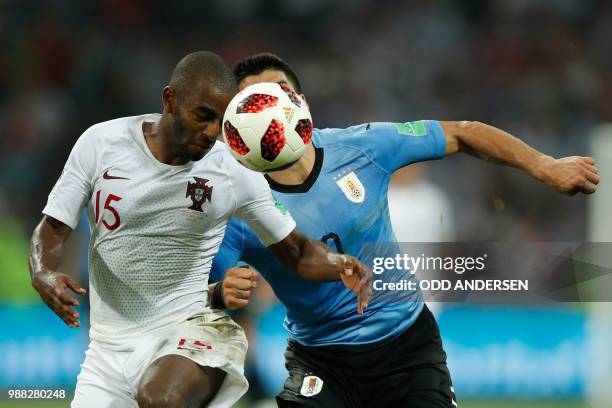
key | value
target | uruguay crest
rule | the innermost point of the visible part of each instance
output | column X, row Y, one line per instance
column 311, row 385
column 352, row 188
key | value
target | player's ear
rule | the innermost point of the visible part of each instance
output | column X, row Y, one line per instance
column 169, row 99
column 303, row 97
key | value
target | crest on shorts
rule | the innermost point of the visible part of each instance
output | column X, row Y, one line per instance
column 199, row 192
column 312, row 385
column 352, row 188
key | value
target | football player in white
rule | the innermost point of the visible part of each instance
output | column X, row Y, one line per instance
column 159, row 190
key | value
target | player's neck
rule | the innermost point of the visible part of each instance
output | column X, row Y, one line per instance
column 298, row 172
column 155, row 134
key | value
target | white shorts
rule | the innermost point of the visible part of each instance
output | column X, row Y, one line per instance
column 110, row 378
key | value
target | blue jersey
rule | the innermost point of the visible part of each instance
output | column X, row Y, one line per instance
column 343, row 202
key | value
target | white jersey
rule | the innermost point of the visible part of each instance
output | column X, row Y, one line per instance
column 155, row 227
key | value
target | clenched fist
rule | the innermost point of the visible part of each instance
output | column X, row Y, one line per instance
column 237, row 287
column 569, row 175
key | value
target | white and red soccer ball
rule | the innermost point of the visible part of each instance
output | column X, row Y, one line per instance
column 267, row 126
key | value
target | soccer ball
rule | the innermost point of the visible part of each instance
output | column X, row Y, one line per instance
column 267, row 126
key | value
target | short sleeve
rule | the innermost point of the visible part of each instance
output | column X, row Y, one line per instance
column 74, row 188
column 270, row 221
column 395, row 145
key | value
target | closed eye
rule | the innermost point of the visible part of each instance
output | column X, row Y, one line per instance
column 204, row 114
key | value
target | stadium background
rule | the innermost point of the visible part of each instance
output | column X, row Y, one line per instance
column 541, row 69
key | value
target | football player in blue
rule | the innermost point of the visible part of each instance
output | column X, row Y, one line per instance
column 392, row 355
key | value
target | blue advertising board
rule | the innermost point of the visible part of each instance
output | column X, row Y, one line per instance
column 508, row 352
column 37, row 349
column 516, row 352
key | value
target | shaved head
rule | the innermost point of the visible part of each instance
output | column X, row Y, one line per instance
column 199, row 67
column 200, row 88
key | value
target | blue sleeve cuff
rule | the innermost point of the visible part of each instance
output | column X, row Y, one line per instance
column 439, row 138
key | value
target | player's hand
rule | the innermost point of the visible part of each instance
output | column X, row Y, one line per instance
column 358, row 277
column 237, row 286
column 570, row 175
column 51, row 286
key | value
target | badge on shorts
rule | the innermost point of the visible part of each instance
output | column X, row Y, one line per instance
column 312, row 385
column 192, row 344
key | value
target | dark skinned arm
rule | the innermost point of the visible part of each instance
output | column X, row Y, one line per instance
column 314, row 260
column 46, row 250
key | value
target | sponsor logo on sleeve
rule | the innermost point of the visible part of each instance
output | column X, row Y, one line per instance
column 280, row 207
column 416, row 128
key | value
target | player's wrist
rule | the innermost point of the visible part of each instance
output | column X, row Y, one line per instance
column 341, row 263
column 540, row 167
column 216, row 297
column 41, row 276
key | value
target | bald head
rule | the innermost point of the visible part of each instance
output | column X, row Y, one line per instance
column 200, row 88
column 200, row 67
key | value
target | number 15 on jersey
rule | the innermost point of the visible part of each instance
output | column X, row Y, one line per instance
column 108, row 205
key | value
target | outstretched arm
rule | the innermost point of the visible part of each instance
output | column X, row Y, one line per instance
column 314, row 260
column 310, row 259
column 46, row 250
column 569, row 175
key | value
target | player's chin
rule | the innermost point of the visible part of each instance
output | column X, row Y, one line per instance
column 281, row 168
column 196, row 152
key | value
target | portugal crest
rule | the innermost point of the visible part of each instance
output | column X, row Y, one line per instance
column 199, row 193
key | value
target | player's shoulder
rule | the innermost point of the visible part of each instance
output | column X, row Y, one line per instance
column 328, row 136
column 220, row 159
column 372, row 133
column 221, row 156
column 114, row 130
column 362, row 137
column 356, row 134
column 219, row 152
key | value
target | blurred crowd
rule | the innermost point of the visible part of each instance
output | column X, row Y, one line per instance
column 540, row 69
column 537, row 68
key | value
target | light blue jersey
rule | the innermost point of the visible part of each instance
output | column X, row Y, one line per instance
column 343, row 203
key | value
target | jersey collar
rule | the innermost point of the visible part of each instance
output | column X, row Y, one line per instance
column 307, row 184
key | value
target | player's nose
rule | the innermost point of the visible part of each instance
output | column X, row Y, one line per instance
column 211, row 131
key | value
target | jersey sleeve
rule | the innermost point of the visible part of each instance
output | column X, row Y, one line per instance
column 270, row 221
column 74, row 187
column 230, row 251
column 395, row 145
